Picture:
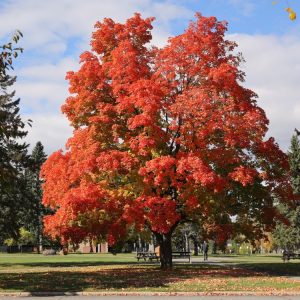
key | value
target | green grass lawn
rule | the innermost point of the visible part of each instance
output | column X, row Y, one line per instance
column 37, row 261
column 122, row 273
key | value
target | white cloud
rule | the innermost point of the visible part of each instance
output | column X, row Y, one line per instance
column 272, row 70
column 43, row 88
column 47, row 22
column 246, row 7
column 50, row 129
column 49, row 72
column 38, row 96
column 164, row 12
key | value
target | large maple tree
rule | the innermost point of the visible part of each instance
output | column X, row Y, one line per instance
column 161, row 137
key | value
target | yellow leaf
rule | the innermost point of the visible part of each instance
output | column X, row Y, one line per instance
column 292, row 16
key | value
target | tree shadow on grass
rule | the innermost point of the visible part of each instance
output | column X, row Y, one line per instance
column 274, row 269
column 291, row 268
column 64, row 264
column 113, row 279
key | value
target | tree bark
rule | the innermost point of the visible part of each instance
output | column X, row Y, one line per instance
column 165, row 244
column 196, row 251
column 91, row 246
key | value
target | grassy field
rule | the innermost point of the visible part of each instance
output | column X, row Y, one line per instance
column 122, row 273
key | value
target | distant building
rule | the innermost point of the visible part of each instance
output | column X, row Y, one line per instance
column 85, row 247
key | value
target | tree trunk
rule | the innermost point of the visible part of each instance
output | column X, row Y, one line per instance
column 214, row 248
column 196, row 251
column 164, row 241
column 91, row 246
column 39, row 238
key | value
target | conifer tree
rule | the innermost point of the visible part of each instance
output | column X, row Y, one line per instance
column 13, row 154
column 294, row 159
column 287, row 236
column 36, row 209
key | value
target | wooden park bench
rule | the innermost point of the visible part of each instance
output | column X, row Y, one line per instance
column 150, row 256
column 287, row 255
column 147, row 256
column 182, row 254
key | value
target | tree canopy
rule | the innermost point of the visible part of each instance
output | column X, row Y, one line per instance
column 162, row 137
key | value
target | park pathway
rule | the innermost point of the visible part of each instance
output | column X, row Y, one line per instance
column 70, row 297
column 222, row 261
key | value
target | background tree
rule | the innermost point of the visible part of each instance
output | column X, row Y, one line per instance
column 8, row 53
column 287, row 235
column 25, row 238
column 163, row 137
column 13, row 153
column 294, row 160
column 36, row 210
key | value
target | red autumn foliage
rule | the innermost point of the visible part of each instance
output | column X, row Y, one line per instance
column 162, row 136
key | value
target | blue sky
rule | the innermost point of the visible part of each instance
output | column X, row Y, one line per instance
column 243, row 16
column 57, row 31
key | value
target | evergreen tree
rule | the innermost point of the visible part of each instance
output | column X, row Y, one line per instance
column 13, row 154
column 288, row 236
column 36, row 210
column 294, row 160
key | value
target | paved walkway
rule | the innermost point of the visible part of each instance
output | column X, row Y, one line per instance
column 224, row 261
column 155, row 297
column 211, row 260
